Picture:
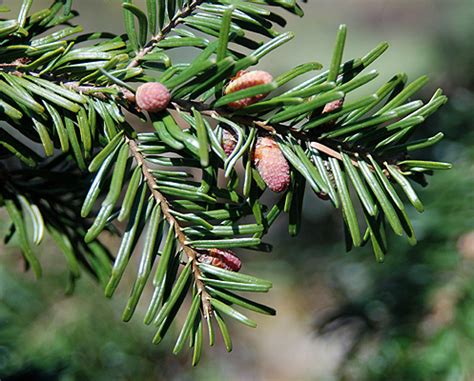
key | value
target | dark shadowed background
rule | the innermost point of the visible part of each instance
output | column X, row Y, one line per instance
column 340, row 316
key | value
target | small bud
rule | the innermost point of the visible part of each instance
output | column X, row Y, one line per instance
column 243, row 80
column 271, row 164
column 128, row 96
column 229, row 142
column 333, row 106
column 152, row 97
column 222, row 258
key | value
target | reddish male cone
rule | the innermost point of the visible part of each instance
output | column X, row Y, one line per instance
column 222, row 258
column 243, row 80
column 229, row 141
column 152, row 97
column 271, row 164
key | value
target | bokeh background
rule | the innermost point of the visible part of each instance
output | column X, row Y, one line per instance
column 340, row 316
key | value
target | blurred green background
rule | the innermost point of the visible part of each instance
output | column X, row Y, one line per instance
column 340, row 316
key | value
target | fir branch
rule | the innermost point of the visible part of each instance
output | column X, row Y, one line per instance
column 67, row 96
column 191, row 254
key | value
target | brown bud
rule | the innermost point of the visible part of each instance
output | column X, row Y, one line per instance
column 330, row 107
column 333, row 106
column 152, row 97
column 229, row 141
column 271, row 164
column 243, row 80
column 222, row 258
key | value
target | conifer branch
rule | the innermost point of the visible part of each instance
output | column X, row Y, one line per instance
column 71, row 97
column 191, row 254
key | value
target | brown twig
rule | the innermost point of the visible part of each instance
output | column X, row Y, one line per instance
column 173, row 23
column 101, row 92
column 210, row 111
column 180, row 236
column 330, row 152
